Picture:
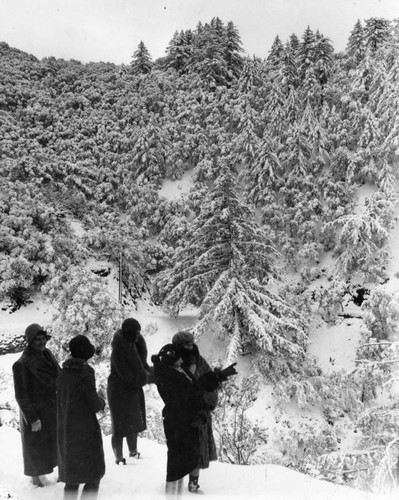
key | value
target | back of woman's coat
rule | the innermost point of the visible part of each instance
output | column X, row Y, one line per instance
column 80, row 446
column 35, row 377
column 129, row 373
column 208, row 451
column 184, row 413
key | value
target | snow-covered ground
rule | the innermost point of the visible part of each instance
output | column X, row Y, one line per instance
column 144, row 478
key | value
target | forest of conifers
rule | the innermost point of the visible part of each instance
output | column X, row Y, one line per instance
column 277, row 149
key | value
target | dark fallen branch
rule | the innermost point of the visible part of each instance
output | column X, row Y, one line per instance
column 350, row 316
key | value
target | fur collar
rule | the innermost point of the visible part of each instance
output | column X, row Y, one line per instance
column 72, row 363
column 120, row 344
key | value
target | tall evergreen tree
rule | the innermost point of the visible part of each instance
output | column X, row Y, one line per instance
column 250, row 77
column 376, row 32
column 294, row 43
column 275, row 58
column 356, row 43
column 141, row 63
column 233, row 47
column 290, row 79
column 179, row 51
column 224, row 270
column 306, row 52
column 323, row 51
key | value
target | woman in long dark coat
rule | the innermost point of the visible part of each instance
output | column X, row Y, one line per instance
column 80, row 446
column 193, row 363
column 184, row 414
column 35, row 374
column 129, row 373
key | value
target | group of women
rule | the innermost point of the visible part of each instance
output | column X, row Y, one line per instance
column 58, row 407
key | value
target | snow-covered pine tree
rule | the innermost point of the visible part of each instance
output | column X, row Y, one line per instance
column 150, row 151
column 179, row 51
column 141, row 63
column 376, row 32
column 290, row 79
column 226, row 270
column 306, row 52
column 275, row 58
column 233, row 47
column 247, row 140
column 263, row 174
column 362, row 238
column 323, row 58
column 208, row 67
column 250, row 75
column 356, row 43
column 273, row 113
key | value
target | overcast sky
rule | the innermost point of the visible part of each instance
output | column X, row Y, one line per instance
column 110, row 30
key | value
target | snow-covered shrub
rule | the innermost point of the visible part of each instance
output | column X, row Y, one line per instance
column 310, row 252
column 83, row 305
column 154, row 429
column 156, row 256
column 17, row 279
column 304, row 443
column 362, row 238
column 114, row 236
column 239, row 439
column 373, row 464
column 337, row 394
column 329, row 299
column 282, row 369
column 102, row 370
column 381, row 314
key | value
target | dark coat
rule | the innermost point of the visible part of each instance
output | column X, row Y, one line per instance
column 80, row 446
column 34, row 382
column 129, row 373
column 207, row 441
column 183, row 416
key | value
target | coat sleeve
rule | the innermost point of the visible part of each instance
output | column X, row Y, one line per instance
column 127, row 372
column 210, row 396
column 22, row 396
column 94, row 402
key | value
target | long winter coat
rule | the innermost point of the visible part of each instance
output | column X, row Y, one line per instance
column 183, row 416
column 80, row 446
column 34, row 382
column 129, row 373
column 207, row 441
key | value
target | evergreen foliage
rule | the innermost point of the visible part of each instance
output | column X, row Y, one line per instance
column 142, row 62
column 356, row 43
column 211, row 52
